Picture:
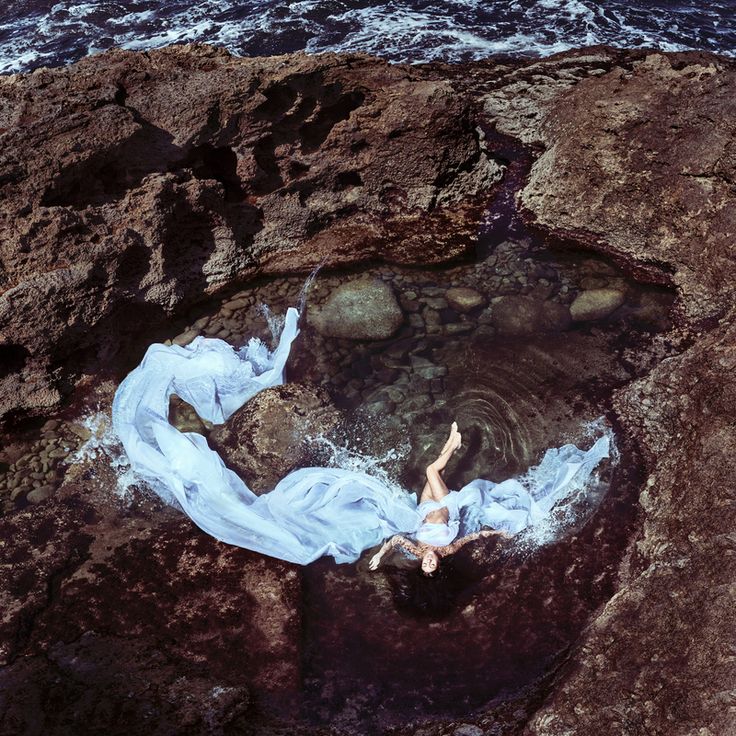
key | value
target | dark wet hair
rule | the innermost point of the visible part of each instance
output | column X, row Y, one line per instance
column 428, row 596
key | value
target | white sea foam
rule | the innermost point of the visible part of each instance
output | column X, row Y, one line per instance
column 403, row 30
column 349, row 457
column 582, row 496
column 104, row 444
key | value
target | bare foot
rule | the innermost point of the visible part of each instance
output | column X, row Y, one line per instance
column 451, row 439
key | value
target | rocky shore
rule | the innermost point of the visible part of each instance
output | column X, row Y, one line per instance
column 148, row 196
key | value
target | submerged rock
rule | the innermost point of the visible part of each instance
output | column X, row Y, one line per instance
column 362, row 309
column 594, row 304
column 522, row 315
column 463, row 299
column 273, row 433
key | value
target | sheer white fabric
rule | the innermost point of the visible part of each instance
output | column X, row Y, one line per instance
column 312, row 511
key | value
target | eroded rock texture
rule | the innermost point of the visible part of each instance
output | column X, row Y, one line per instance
column 112, row 622
column 134, row 184
column 638, row 161
column 274, row 433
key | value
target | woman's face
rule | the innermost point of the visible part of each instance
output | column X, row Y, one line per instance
column 430, row 562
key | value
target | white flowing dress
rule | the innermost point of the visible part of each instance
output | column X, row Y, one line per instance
column 311, row 512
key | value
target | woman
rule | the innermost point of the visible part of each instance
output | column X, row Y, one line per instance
column 440, row 517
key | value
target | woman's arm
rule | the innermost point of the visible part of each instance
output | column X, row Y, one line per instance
column 395, row 541
column 455, row 546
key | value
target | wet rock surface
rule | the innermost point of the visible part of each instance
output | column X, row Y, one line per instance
column 274, row 433
column 117, row 617
column 92, row 586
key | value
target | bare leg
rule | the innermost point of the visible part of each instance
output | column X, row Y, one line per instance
column 435, row 488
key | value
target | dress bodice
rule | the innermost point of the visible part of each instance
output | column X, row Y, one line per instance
column 439, row 534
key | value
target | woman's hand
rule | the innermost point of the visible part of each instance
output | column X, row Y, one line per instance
column 375, row 560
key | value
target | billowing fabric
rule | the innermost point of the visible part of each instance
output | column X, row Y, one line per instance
column 312, row 511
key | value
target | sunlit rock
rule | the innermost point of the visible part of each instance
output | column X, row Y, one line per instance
column 362, row 309
column 594, row 304
column 274, row 433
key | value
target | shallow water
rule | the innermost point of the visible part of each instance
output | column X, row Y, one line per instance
column 365, row 663
column 34, row 33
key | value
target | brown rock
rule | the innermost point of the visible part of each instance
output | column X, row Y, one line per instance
column 522, row 315
column 134, row 183
column 638, row 162
column 131, row 615
column 595, row 304
column 462, row 299
column 184, row 417
column 655, row 172
column 360, row 309
column 269, row 436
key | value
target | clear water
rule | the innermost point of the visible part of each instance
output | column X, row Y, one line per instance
column 513, row 396
column 34, row 33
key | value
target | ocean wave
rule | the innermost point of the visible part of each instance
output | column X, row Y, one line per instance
column 34, row 34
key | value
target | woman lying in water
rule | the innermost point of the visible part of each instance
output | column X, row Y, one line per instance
column 441, row 518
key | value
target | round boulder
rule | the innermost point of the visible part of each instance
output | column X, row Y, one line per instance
column 522, row 315
column 267, row 437
column 362, row 309
column 594, row 304
column 463, row 300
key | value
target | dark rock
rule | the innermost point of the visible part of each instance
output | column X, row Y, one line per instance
column 269, row 436
column 178, row 647
column 523, row 315
column 660, row 126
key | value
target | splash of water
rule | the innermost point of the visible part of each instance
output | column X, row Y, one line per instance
column 103, row 443
column 302, row 303
column 276, row 322
column 348, row 457
column 582, row 496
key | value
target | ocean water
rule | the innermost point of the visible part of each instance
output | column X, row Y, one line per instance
column 36, row 33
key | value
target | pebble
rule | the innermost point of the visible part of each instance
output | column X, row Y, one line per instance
column 458, row 328
column 432, row 318
column 435, row 302
column 238, row 303
column 464, row 300
column 468, row 729
column 595, row 304
column 201, row 323
column 185, row 338
column 40, row 494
